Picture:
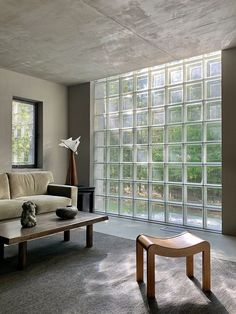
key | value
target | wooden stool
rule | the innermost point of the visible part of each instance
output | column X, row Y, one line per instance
column 183, row 245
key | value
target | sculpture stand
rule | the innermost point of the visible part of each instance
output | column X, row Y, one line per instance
column 72, row 178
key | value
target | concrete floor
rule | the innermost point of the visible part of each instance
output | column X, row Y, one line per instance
column 223, row 247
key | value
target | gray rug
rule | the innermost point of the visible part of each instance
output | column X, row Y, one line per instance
column 68, row 278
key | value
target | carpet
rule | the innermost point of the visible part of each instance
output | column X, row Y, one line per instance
column 66, row 277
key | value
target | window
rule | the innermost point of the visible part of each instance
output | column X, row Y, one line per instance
column 24, row 130
column 157, row 147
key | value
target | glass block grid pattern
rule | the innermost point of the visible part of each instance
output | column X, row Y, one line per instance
column 157, row 143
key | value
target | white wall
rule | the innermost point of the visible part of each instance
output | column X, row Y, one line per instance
column 55, row 119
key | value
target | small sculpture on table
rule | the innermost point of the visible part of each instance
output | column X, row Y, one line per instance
column 28, row 215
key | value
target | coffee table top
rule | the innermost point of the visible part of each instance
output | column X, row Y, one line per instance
column 11, row 231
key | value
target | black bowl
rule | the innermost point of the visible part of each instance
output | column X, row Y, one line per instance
column 66, row 212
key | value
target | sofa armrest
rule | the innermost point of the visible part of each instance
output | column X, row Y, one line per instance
column 64, row 190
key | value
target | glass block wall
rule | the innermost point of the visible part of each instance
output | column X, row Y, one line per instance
column 157, row 143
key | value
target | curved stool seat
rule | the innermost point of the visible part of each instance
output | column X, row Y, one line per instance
column 183, row 245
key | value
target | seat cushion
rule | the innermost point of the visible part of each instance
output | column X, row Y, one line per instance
column 46, row 203
column 10, row 209
column 29, row 183
column 4, row 187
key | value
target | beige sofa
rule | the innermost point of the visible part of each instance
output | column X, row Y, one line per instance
column 38, row 187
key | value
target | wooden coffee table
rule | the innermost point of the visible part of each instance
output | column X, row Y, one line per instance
column 11, row 231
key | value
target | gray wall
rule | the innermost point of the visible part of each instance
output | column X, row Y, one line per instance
column 79, row 125
column 229, row 140
column 55, row 119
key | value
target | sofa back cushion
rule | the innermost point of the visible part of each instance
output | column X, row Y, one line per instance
column 29, row 183
column 4, row 187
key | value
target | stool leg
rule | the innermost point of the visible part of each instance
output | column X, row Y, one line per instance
column 139, row 262
column 206, row 270
column 189, row 266
column 150, row 274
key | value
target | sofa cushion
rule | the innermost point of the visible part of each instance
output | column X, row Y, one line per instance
column 29, row 183
column 10, row 209
column 46, row 203
column 4, row 187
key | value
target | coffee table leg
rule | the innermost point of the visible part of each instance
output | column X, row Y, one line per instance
column 22, row 255
column 67, row 235
column 1, row 250
column 89, row 236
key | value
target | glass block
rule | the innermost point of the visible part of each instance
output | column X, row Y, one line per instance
column 194, row 132
column 214, row 219
column 175, row 75
column 141, row 190
column 157, row 172
column 195, row 216
column 141, row 209
column 175, row 173
column 194, row 92
column 175, row 214
column 213, row 131
column 100, row 105
column 127, row 84
column 174, row 133
column 142, row 136
column 175, row 153
column 157, row 191
column 113, row 137
column 214, row 196
column 158, row 153
column 127, row 171
column 214, row 174
column 99, row 154
column 100, row 171
column 213, row 89
column 113, row 88
column 113, row 171
column 175, row 114
column 194, row 112
column 157, row 211
column 142, row 172
column 127, row 136
column 113, row 188
column 176, row 95
column 194, row 195
column 100, row 90
column 113, row 121
column 127, row 120
column 194, row 174
column 127, row 102
column 126, row 207
column 142, row 154
column 99, row 123
column 127, row 154
column 158, row 116
column 100, row 203
column 142, row 118
column 158, row 97
column 194, row 153
column 142, row 100
column 213, row 152
column 194, row 71
column 213, row 67
column 127, row 189
column 158, row 79
column 112, row 205
column 113, row 104
column 175, row 193
column 100, row 187
column 213, row 110
column 142, row 82
column 157, row 135
column 114, row 154
column 100, row 139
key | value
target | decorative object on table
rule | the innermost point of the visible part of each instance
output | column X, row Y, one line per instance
column 72, row 145
column 28, row 215
column 68, row 212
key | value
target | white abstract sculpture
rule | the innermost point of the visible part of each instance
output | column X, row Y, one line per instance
column 70, row 144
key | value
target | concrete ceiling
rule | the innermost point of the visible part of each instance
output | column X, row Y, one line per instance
column 74, row 41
